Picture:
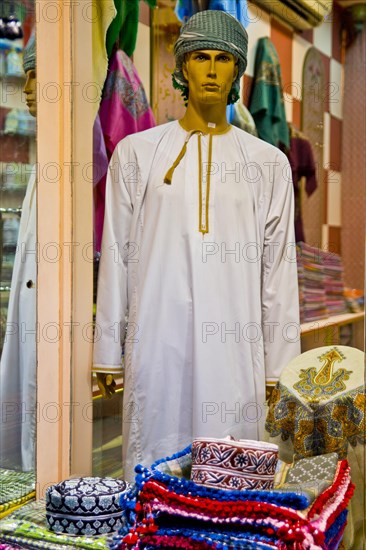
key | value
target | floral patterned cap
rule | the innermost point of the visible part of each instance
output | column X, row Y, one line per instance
column 85, row 506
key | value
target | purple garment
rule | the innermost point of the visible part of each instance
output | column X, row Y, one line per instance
column 302, row 163
column 124, row 110
column 100, row 158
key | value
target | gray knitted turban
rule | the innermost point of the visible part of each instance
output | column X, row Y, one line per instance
column 211, row 30
column 29, row 54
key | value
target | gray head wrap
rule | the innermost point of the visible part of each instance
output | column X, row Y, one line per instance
column 211, row 30
column 29, row 54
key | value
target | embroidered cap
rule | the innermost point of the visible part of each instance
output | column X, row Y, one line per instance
column 211, row 30
column 230, row 464
column 85, row 506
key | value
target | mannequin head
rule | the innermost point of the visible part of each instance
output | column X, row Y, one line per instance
column 29, row 65
column 210, row 75
column 207, row 31
column 30, row 91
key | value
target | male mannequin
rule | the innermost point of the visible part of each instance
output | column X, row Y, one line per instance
column 18, row 359
column 189, row 205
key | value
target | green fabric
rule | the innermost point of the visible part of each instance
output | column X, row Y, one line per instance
column 34, row 512
column 7, row 508
column 311, row 476
column 124, row 26
column 15, row 485
column 27, row 527
column 30, row 534
column 266, row 103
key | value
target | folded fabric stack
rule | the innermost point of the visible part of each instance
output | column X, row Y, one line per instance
column 27, row 528
column 307, row 510
column 313, row 282
column 16, row 489
column 333, row 283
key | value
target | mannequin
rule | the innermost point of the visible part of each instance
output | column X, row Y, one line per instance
column 18, row 359
column 184, row 213
column 30, row 91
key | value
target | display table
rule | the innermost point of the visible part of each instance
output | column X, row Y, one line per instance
column 319, row 402
column 318, row 407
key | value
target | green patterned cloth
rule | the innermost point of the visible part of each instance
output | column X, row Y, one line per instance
column 266, row 102
column 27, row 528
column 34, row 512
column 310, row 476
column 15, row 487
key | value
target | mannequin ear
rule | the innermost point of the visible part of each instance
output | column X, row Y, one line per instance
column 236, row 70
column 184, row 70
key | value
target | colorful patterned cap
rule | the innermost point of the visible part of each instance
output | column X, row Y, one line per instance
column 29, row 54
column 211, row 30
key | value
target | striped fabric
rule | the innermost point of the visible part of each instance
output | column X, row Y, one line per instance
column 168, row 511
column 27, row 528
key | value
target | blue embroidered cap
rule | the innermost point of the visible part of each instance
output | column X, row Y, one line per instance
column 85, row 506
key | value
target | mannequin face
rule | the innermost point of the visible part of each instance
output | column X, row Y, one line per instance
column 30, row 91
column 210, row 75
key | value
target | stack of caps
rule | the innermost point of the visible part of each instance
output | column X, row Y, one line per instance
column 333, row 281
column 166, row 509
column 313, row 284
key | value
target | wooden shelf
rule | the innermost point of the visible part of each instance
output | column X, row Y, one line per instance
column 339, row 320
column 324, row 332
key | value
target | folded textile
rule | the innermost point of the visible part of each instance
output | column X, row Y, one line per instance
column 27, row 528
column 169, row 511
column 194, row 539
column 14, row 486
column 309, row 476
column 34, row 511
column 25, row 543
column 321, row 283
column 30, row 535
column 10, row 507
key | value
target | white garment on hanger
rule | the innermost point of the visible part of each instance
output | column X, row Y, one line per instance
column 18, row 358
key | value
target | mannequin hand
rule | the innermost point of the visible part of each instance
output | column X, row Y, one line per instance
column 106, row 384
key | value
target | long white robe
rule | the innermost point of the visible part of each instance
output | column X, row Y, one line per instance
column 18, row 358
column 209, row 316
